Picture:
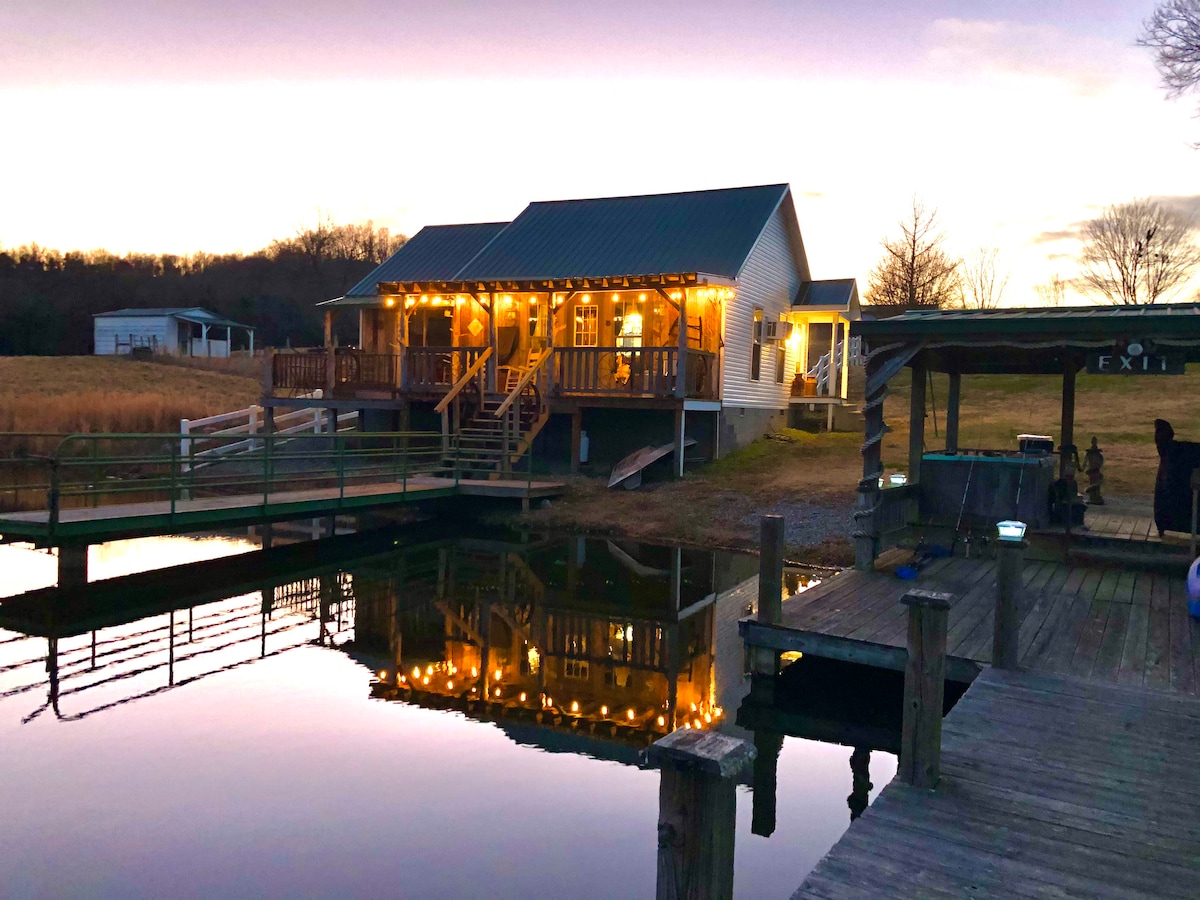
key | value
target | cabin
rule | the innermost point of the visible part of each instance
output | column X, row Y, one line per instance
column 596, row 326
column 190, row 331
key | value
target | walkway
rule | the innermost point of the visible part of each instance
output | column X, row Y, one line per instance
column 1051, row 786
column 106, row 523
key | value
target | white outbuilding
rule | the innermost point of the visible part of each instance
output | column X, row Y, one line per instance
column 174, row 332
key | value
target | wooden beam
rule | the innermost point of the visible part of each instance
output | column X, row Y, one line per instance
column 952, row 404
column 916, row 423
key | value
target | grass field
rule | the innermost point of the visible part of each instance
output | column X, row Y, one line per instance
column 107, row 394
column 812, row 477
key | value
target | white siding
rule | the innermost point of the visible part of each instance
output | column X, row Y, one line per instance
column 107, row 329
column 769, row 280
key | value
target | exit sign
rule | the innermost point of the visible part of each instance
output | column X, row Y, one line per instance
column 1116, row 363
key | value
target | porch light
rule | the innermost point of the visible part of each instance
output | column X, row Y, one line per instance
column 586, row 298
column 460, row 300
column 390, row 301
column 676, row 295
column 897, row 479
column 410, row 303
column 574, row 706
column 604, row 710
column 662, row 721
column 1011, row 530
column 641, row 298
column 533, row 300
column 424, row 299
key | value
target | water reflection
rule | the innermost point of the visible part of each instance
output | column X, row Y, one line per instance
column 575, row 647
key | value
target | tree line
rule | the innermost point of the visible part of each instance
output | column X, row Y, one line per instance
column 48, row 297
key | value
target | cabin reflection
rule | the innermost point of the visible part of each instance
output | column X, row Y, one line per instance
column 616, row 641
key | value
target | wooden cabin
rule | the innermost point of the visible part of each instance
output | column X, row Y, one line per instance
column 689, row 318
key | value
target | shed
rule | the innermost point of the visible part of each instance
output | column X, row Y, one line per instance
column 190, row 331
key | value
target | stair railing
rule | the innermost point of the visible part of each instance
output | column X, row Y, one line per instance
column 473, row 372
column 509, row 412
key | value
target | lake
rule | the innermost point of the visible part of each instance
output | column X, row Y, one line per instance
column 411, row 713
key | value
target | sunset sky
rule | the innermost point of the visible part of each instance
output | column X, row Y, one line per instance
column 218, row 125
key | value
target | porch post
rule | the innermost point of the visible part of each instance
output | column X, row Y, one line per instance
column 228, row 341
column 328, row 328
column 952, row 412
column 845, row 359
column 681, row 366
column 250, row 331
column 493, row 342
column 576, row 438
column 916, row 423
column 1068, row 416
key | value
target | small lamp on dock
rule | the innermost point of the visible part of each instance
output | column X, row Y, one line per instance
column 1010, row 530
column 898, row 479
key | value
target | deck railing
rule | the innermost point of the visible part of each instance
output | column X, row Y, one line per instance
column 435, row 368
column 300, row 370
column 897, row 510
column 633, row 372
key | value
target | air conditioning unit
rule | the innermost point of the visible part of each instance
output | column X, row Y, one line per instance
column 777, row 331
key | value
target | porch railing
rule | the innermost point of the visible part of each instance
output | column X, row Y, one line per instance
column 298, row 371
column 633, row 371
column 432, row 368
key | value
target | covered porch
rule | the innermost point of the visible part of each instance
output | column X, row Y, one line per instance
column 952, row 496
column 649, row 337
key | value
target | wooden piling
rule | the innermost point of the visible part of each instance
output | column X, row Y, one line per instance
column 1010, row 557
column 72, row 566
column 924, row 687
column 767, row 745
column 770, row 570
column 697, row 811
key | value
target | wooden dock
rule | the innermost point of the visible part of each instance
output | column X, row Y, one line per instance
column 1051, row 786
column 1105, row 623
column 119, row 521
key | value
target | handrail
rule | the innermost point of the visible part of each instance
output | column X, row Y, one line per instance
column 524, row 382
column 462, row 382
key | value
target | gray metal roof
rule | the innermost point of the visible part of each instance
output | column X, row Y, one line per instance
column 435, row 253
column 1076, row 321
column 187, row 314
column 835, row 292
column 709, row 232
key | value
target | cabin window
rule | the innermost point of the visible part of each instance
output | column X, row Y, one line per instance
column 756, row 338
column 629, row 324
column 780, row 358
column 587, row 325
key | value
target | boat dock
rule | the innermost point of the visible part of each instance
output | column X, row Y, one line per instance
column 1051, row 786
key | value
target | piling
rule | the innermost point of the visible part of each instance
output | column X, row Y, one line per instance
column 765, row 661
column 697, row 811
column 924, row 687
column 1010, row 556
column 72, row 566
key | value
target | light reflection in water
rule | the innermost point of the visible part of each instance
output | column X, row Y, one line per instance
column 186, row 748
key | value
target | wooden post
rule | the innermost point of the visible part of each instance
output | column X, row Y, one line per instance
column 767, row 745
column 1010, row 557
column 576, row 438
column 952, row 402
column 268, row 372
column 1068, row 419
column 493, row 342
column 328, row 328
column 681, row 365
column 924, row 687
column 866, row 539
column 770, row 570
column 1195, row 508
column 680, row 425
column 916, row 423
column 72, row 566
column 697, row 810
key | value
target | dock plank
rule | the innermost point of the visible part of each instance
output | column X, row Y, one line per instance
column 1052, row 786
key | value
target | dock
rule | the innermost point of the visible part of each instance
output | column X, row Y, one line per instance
column 1051, row 786
column 1102, row 622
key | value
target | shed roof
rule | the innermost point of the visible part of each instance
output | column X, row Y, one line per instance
column 1031, row 339
column 709, row 232
column 435, row 253
column 194, row 314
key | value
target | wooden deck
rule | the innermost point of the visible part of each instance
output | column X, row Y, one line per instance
column 1105, row 623
column 1051, row 786
column 164, row 517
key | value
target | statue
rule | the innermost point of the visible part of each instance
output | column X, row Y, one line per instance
column 1093, row 464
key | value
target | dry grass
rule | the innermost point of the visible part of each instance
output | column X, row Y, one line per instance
column 110, row 395
column 716, row 505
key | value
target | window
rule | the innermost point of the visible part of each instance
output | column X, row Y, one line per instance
column 587, row 325
column 756, row 338
column 780, row 356
column 629, row 321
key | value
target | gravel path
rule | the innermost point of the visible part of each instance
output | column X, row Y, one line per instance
column 806, row 523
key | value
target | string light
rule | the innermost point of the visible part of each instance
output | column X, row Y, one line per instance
column 629, row 714
column 574, row 706
column 522, row 696
column 604, row 710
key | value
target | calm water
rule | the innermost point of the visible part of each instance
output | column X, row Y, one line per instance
column 267, row 729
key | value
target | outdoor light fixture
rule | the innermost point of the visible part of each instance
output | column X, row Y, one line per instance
column 1011, row 530
column 897, row 480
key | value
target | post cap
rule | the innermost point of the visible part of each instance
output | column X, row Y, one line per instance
column 928, row 599
column 707, row 751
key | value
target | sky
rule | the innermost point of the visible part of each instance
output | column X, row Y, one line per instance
column 218, row 125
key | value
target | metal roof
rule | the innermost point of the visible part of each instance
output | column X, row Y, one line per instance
column 435, row 253
column 710, row 232
column 194, row 314
column 835, row 292
column 1171, row 319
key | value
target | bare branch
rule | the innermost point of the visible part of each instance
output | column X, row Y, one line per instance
column 1137, row 252
column 983, row 286
column 915, row 270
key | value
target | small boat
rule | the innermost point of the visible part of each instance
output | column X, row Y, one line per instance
column 628, row 472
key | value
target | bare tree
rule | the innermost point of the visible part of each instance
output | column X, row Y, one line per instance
column 1173, row 33
column 1052, row 292
column 915, row 270
column 982, row 285
column 1137, row 252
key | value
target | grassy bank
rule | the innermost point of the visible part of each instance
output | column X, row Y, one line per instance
column 811, row 478
column 109, row 394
